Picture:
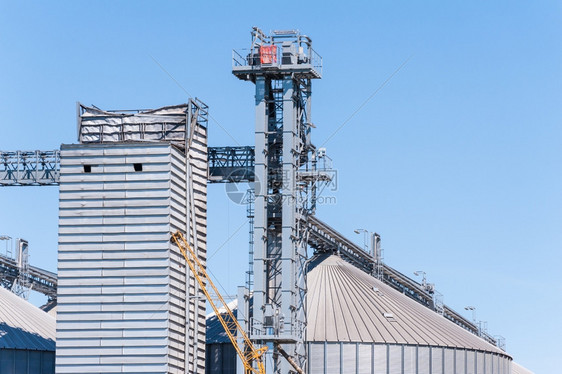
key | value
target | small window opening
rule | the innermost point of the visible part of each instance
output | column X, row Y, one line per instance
column 138, row 167
column 87, row 168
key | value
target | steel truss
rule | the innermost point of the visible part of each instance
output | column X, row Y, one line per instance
column 42, row 168
column 37, row 279
column 29, row 168
column 282, row 68
column 226, row 164
column 231, row 164
column 325, row 239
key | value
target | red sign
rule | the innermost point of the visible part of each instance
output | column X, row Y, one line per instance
column 268, row 54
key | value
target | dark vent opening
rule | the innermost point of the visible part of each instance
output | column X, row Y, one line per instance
column 138, row 167
column 87, row 168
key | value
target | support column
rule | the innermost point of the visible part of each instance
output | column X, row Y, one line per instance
column 260, row 211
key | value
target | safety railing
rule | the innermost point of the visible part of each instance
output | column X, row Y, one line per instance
column 276, row 57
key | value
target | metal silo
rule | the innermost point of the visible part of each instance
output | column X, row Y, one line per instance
column 357, row 324
column 27, row 337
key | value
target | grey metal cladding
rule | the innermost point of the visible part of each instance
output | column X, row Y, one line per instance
column 122, row 285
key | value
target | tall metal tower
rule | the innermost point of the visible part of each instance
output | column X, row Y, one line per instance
column 282, row 66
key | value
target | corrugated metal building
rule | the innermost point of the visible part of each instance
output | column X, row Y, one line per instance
column 27, row 337
column 125, row 301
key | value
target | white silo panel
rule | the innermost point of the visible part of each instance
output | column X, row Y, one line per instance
column 365, row 358
column 410, row 359
column 449, row 360
column 395, row 359
column 460, row 361
column 479, row 363
column 349, row 358
column 470, row 362
column 333, row 358
column 316, row 358
column 423, row 360
column 380, row 359
column 436, row 360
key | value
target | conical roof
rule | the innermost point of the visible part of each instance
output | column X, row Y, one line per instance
column 344, row 304
column 23, row 325
column 518, row 369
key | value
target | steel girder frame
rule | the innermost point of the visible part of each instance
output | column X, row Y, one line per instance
column 29, row 168
column 280, row 216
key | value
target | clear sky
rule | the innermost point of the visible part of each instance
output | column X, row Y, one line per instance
column 456, row 162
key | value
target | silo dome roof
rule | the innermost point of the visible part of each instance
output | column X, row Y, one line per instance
column 345, row 304
column 23, row 325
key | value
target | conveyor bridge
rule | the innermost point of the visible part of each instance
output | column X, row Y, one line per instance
column 226, row 164
column 38, row 279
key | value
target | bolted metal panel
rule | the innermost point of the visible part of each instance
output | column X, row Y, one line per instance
column 479, row 363
column 381, row 359
column 470, row 362
column 333, row 359
column 17, row 361
column 505, row 368
column 448, row 360
column 395, row 359
column 220, row 359
column 423, row 360
column 349, row 358
column 410, row 359
column 460, row 362
column 344, row 358
column 365, row 360
column 436, row 360
column 316, row 356
column 122, row 286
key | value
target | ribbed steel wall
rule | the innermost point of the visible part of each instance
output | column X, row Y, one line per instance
column 20, row 361
column 197, row 236
column 221, row 359
column 122, row 299
column 359, row 358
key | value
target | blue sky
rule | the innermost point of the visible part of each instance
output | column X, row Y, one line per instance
column 455, row 162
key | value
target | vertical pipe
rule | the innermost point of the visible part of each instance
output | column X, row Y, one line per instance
column 289, row 204
column 260, row 211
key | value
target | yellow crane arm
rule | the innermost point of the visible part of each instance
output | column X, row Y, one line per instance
column 231, row 326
